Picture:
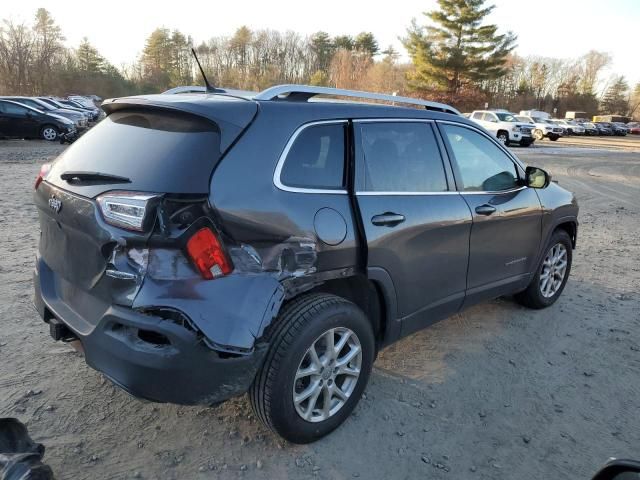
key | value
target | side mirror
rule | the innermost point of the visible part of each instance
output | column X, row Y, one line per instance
column 536, row 178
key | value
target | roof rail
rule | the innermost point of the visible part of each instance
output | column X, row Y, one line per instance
column 302, row 93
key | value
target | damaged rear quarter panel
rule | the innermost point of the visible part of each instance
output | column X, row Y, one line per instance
column 270, row 237
column 230, row 311
column 279, row 225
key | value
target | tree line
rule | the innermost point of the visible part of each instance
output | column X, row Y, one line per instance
column 455, row 57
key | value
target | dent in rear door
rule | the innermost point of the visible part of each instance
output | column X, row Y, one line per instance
column 416, row 228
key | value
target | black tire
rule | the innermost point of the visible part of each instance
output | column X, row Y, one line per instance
column 553, row 138
column 532, row 297
column 526, row 143
column 47, row 131
column 299, row 324
column 503, row 137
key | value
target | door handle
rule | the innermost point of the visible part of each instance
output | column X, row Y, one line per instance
column 387, row 219
column 485, row 209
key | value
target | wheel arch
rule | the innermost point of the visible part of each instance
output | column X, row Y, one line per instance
column 502, row 130
column 375, row 295
column 571, row 227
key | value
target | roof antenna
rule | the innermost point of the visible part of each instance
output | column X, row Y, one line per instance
column 210, row 88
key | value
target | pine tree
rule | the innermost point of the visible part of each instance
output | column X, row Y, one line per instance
column 322, row 48
column 615, row 100
column 344, row 42
column 89, row 59
column 366, row 42
column 48, row 38
column 457, row 50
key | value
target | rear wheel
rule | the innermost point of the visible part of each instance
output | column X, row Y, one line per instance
column 321, row 355
column 552, row 274
column 49, row 133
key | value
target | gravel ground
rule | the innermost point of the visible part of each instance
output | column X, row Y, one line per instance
column 498, row 392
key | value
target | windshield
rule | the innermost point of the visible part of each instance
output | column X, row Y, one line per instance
column 506, row 117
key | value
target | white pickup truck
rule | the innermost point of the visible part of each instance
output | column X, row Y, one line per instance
column 504, row 126
column 542, row 128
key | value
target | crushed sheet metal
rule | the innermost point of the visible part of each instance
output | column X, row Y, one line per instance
column 230, row 311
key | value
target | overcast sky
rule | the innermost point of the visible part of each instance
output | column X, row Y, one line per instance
column 554, row 28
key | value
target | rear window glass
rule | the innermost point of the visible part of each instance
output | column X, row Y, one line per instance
column 316, row 158
column 159, row 151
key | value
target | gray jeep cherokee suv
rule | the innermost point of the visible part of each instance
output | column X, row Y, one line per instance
column 202, row 246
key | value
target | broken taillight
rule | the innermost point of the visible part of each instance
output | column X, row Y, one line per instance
column 42, row 174
column 207, row 254
column 125, row 209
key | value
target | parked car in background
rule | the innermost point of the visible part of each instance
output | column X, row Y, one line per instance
column 603, row 130
column 94, row 112
column 624, row 126
column 55, row 104
column 590, row 129
column 539, row 114
column 504, row 126
column 542, row 128
column 79, row 119
column 634, row 128
column 22, row 121
column 203, row 291
column 570, row 128
column 87, row 102
column 615, row 129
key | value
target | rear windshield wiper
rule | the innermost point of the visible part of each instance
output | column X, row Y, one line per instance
column 93, row 177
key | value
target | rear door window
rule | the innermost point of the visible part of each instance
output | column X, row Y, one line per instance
column 399, row 157
column 316, row 158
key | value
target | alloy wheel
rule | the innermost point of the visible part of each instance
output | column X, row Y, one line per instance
column 554, row 269
column 327, row 374
column 49, row 134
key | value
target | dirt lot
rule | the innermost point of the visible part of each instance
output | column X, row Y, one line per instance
column 498, row 392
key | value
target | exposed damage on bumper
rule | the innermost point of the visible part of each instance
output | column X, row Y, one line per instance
column 151, row 323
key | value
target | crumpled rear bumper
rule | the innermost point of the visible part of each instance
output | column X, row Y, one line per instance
column 149, row 356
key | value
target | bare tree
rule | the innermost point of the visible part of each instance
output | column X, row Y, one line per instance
column 16, row 46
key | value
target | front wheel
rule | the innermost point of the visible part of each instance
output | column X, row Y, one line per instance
column 49, row 133
column 553, row 138
column 318, row 365
column 503, row 138
column 538, row 135
column 552, row 274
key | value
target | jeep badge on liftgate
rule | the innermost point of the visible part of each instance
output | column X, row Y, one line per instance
column 55, row 204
